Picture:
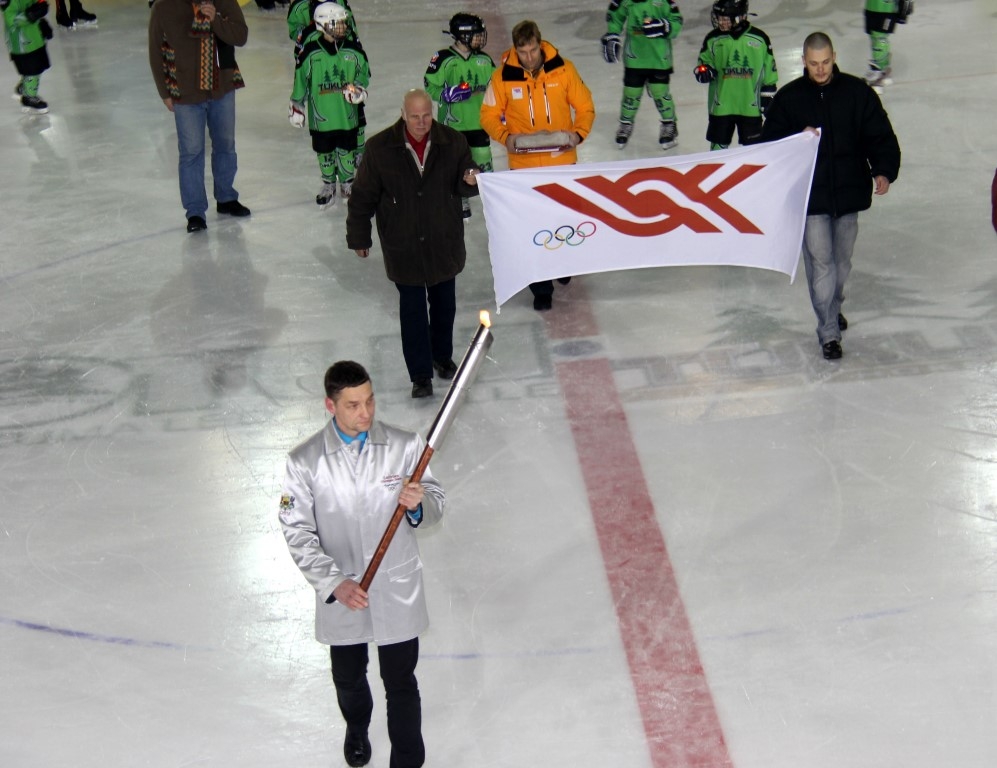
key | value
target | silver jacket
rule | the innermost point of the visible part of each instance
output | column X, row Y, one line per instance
column 334, row 509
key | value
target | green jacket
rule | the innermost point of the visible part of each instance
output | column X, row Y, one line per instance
column 22, row 36
column 639, row 51
column 744, row 65
column 322, row 69
column 448, row 68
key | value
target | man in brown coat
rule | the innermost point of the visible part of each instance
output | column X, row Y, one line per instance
column 192, row 55
column 411, row 180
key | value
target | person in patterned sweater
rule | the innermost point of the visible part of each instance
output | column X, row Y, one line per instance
column 331, row 76
column 457, row 78
column 736, row 62
column 650, row 27
column 26, row 30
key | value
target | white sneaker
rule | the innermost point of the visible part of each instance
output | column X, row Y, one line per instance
column 327, row 195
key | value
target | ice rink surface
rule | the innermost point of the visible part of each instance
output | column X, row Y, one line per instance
column 820, row 539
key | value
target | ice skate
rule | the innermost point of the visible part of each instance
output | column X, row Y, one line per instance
column 668, row 136
column 32, row 105
column 878, row 79
column 326, row 198
column 623, row 134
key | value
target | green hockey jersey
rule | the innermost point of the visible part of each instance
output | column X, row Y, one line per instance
column 882, row 6
column 22, row 36
column 639, row 50
column 448, row 68
column 744, row 65
column 321, row 71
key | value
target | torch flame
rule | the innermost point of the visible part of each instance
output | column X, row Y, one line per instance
column 484, row 318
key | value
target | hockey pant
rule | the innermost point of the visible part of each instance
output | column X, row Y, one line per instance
column 656, row 83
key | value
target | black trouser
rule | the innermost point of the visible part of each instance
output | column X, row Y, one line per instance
column 427, row 336
column 401, row 689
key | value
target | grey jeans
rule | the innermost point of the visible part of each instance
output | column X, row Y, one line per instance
column 827, row 256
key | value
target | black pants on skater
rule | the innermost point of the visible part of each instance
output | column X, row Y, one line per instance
column 397, row 663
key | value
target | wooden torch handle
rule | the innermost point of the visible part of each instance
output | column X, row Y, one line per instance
column 396, row 519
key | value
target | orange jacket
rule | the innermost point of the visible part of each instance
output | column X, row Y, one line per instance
column 516, row 102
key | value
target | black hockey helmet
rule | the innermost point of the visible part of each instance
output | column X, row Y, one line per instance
column 735, row 11
column 469, row 30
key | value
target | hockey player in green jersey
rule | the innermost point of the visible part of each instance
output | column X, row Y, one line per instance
column 331, row 76
column 26, row 30
column 881, row 18
column 456, row 79
column 650, row 27
column 736, row 61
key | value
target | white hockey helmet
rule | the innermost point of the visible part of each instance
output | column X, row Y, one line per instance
column 331, row 18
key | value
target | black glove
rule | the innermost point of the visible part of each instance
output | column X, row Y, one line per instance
column 36, row 11
column 657, row 28
column 704, row 73
column 46, row 29
column 611, row 47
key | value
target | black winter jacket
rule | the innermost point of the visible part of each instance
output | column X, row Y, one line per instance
column 419, row 221
column 857, row 141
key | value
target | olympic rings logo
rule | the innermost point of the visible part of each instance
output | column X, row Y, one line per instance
column 564, row 235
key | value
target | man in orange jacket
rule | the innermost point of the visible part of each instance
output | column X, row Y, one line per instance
column 539, row 107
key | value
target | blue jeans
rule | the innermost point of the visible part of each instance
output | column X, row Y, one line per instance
column 218, row 115
column 827, row 256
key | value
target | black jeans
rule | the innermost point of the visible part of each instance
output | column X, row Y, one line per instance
column 427, row 336
column 401, row 689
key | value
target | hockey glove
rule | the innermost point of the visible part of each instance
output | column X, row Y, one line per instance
column 704, row 73
column 453, row 94
column 767, row 93
column 296, row 114
column 354, row 94
column 657, row 27
column 45, row 28
column 905, row 10
column 611, row 47
column 36, row 11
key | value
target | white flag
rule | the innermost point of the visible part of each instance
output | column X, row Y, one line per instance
column 740, row 207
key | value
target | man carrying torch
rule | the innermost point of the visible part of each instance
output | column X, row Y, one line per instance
column 340, row 488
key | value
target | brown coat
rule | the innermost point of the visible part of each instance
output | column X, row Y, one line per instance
column 174, row 51
column 419, row 220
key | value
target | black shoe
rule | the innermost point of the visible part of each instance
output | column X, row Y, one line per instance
column 842, row 322
column 420, row 388
column 232, row 208
column 445, row 370
column 832, row 350
column 356, row 749
column 196, row 224
column 543, row 303
column 63, row 20
column 564, row 280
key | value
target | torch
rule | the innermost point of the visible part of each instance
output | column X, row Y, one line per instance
column 466, row 372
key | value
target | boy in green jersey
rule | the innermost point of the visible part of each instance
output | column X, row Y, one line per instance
column 331, row 75
column 26, row 31
column 881, row 18
column 456, row 79
column 650, row 26
column 736, row 61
